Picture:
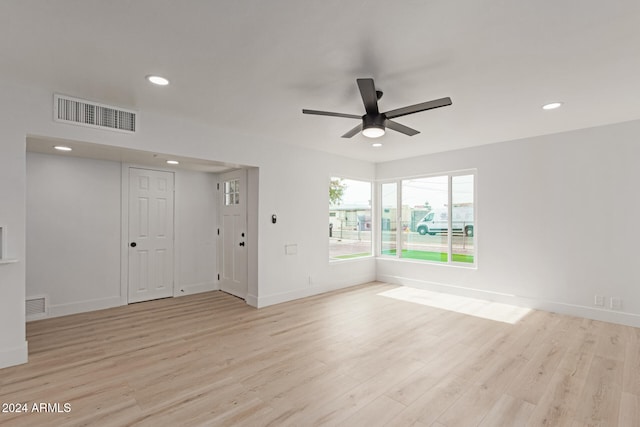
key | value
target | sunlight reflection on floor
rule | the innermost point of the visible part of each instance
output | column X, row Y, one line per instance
column 464, row 305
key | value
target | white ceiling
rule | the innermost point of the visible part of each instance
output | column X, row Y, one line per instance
column 253, row 65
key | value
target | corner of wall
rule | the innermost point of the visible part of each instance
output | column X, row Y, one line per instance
column 14, row 356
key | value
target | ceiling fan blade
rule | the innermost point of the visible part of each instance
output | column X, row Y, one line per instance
column 329, row 113
column 369, row 96
column 400, row 128
column 356, row 130
column 429, row 105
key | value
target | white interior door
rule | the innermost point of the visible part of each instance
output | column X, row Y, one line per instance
column 150, row 234
column 233, row 233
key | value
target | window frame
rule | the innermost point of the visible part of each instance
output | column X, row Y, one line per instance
column 399, row 214
column 372, row 213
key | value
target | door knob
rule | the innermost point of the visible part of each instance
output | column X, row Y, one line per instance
column 241, row 243
column 133, row 244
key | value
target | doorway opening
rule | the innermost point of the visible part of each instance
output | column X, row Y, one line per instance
column 59, row 242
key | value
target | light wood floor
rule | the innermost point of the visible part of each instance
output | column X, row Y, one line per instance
column 351, row 358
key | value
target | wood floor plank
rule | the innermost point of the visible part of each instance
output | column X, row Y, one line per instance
column 601, row 395
column 533, row 379
column 484, row 393
column 632, row 368
column 561, row 398
column 380, row 412
column 611, row 343
column 508, row 411
column 351, row 357
column 433, row 402
column 629, row 410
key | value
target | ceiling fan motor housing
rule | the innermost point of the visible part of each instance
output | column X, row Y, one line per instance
column 373, row 121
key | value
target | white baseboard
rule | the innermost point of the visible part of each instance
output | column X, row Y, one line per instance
column 252, row 300
column 102, row 303
column 195, row 288
column 83, row 306
column 14, row 356
column 624, row 318
column 279, row 298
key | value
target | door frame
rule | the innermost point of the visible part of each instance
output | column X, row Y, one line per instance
column 124, row 228
column 251, row 239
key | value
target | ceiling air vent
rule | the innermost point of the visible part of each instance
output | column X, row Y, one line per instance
column 86, row 113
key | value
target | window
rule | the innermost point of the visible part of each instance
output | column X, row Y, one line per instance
column 425, row 222
column 349, row 219
column 437, row 219
column 232, row 192
column 462, row 215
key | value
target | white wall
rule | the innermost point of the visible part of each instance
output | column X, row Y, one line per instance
column 196, row 223
column 556, row 222
column 299, row 197
column 13, row 346
column 74, row 233
column 292, row 183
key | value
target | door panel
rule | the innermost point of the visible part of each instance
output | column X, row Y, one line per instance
column 233, row 229
column 151, row 226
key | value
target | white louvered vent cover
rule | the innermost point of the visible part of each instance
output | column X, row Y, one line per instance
column 87, row 113
column 36, row 307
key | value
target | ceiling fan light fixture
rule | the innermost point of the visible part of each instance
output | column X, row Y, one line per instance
column 373, row 131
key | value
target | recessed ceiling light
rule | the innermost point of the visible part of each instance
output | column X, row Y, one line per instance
column 173, row 162
column 376, row 144
column 552, row 106
column 157, row 80
column 62, row 148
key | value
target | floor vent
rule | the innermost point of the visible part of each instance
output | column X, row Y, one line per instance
column 86, row 113
column 36, row 308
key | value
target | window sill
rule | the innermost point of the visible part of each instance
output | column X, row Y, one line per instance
column 340, row 261
column 429, row 263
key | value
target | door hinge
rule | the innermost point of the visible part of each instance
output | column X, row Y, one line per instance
column 218, row 186
column 218, row 277
column 218, row 231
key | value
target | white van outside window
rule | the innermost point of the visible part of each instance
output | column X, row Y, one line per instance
column 437, row 221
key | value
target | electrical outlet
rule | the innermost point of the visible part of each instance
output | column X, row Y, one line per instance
column 598, row 300
column 615, row 303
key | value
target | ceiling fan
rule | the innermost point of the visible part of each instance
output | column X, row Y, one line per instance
column 374, row 122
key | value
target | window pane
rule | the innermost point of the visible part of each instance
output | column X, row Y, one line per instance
column 463, row 240
column 425, row 219
column 388, row 226
column 349, row 219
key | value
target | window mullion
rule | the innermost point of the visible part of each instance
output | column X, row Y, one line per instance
column 449, row 222
column 399, row 219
